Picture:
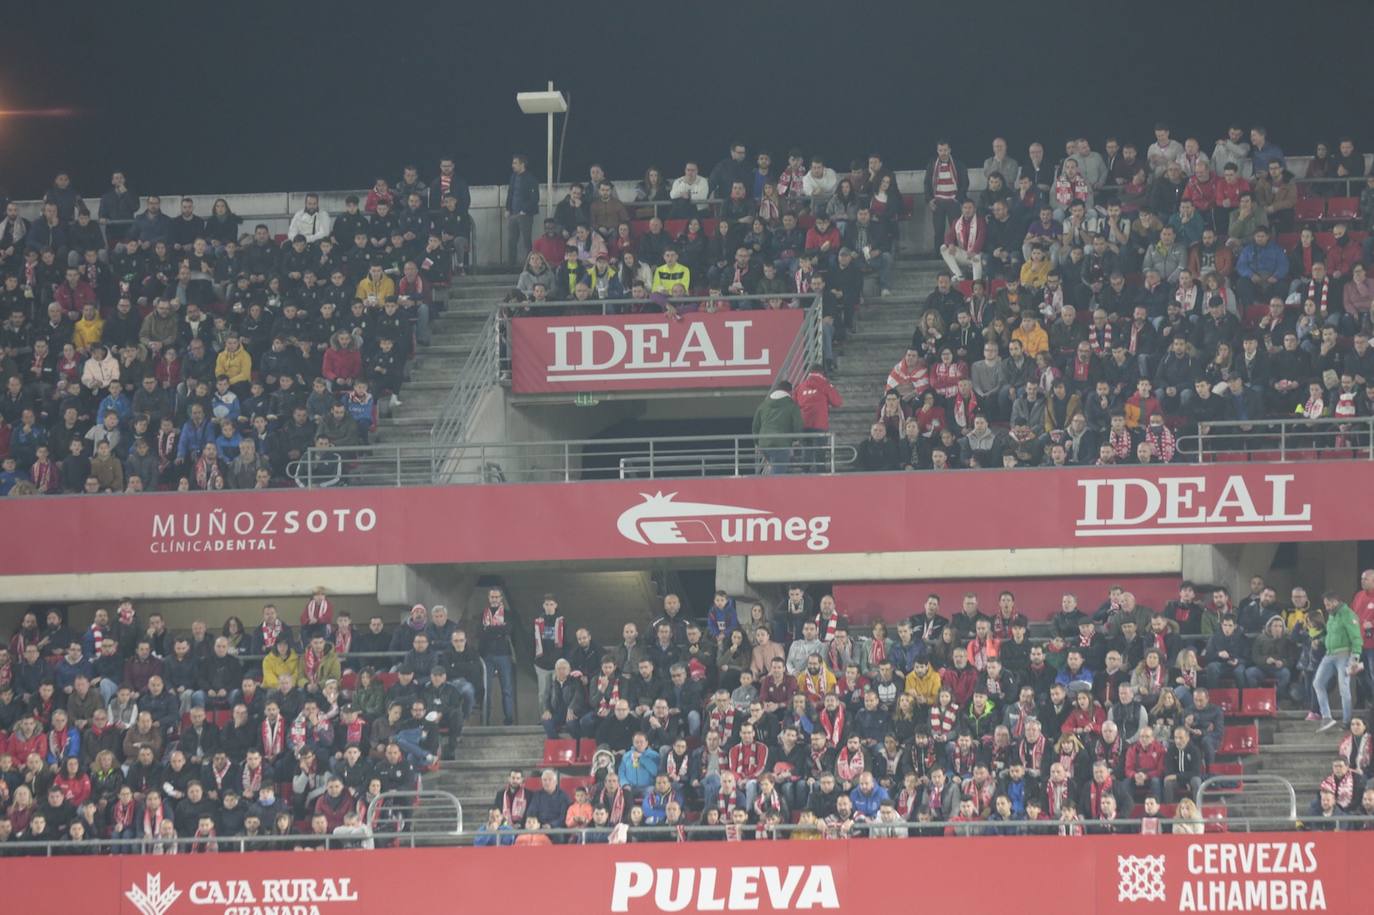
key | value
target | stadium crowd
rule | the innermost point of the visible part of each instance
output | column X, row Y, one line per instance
column 741, row 721
column 143, row 351
column 1115, row 303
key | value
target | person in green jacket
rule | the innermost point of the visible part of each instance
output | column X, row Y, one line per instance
column 1344, row 643
column 777, row 423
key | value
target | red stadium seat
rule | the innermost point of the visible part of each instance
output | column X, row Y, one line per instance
column 387, row 679
column 1259, row 703
column 1343, row 207
column 1215, row 817
column 1310, row 208
column 1239, row 740
column 559, row 753
column 348, row 681
column 1228, row 700
column 1231, row 457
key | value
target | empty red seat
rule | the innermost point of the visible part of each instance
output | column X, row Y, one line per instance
column 1227, row 768
column 559, row 753
column 965, row 288
column 1228, row 700
column 1324, row 239
column 348, row 681
column 386, row 678
column 1259, row 703
column 1288, row 240
column 1240, row 740
column 1214, row 815
column 1266, row 456
column 1231, row 457
column 1343, row 207
column 1310, row 207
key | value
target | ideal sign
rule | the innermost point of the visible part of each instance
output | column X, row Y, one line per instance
column 743, row 349
column 1187, row 505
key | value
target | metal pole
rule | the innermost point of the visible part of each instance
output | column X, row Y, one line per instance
column 548, row 199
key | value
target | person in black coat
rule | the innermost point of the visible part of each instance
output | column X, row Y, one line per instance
column 878, row 452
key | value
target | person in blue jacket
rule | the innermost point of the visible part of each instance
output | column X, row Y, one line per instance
column 1262, row 269
column 722, row 619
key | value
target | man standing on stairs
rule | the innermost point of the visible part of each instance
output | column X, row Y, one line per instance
column 815, row 396
column 522, row 202
column 549, row 636
column 946, row 185
column 499, row 621
column 777, row 422
column 1344, row 643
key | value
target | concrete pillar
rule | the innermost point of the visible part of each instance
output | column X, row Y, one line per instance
column 1328, row 566
column 1229, row 564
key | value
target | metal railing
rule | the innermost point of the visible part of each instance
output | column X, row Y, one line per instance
column 418, row 463
column 419, row 796
column 480, row 372
column 1280, row 440
column 1009, row 829
column 1277, row 785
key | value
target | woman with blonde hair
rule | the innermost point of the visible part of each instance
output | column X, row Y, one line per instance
column 1187, row 820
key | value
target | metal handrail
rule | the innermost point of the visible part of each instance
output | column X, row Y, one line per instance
column 419, row 795
column 980, row 827
column 480, row 372
column 1256, row 779
column 419, row 463
column 807, row 347
column 1283, row 439
column 553, row 305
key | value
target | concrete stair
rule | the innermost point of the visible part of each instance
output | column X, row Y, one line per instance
column 884, row 330
column 468, row 302
column 1292, row 749
column 485, row 757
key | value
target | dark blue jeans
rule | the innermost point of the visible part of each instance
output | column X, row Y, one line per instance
column 501, row 665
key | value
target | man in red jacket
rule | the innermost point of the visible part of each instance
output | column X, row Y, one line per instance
column 1363, row 605
column 1145, row 764
column 815, row 396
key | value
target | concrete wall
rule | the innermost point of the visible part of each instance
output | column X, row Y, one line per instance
column 191, row 585
column 978, row 564
column 214, row 610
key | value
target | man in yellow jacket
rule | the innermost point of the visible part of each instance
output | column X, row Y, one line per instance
column 235, row 363
column 376, row 284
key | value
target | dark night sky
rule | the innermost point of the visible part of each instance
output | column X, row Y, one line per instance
column 276, row 96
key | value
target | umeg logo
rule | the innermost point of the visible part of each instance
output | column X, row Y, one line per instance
column 661, row 519
column 151, row 898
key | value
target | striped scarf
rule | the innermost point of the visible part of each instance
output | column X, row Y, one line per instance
column 1100, row 339
column 942, row 720
column 832, row 725
column 849, row 765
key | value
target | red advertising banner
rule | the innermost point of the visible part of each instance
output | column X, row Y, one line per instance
column 1281, row 872
column 636, row 520
column 734, row 349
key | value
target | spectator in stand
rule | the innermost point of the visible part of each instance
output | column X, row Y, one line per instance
column 946, row 186
column 496, row 645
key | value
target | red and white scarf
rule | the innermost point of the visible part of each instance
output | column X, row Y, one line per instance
column 269, row 633
column 848, row 766
column 494, row 616
column 833, row 726
column 513, row 805
column 614, row 806
column 318, row 610
column 966, row 232
column 540, row 624
column 273, row 738
column 252, row 781
column 343, row 640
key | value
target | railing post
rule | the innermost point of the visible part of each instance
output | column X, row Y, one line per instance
column 737, row 442
column 1283, row 442
column 830, row 436
column 398, row 466
column 653, row 471
column 567, row 463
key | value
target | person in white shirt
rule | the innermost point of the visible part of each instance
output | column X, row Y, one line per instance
column 688, row 191
column 819, row 184
column 312, row 222
column 1163, row 150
